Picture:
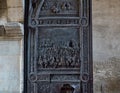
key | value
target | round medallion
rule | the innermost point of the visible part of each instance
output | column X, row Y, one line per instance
column 85, row 77
column 33, row 77
column 84, row 21
column 33, row 22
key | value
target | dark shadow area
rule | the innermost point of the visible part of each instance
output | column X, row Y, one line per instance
column 67, row 88
column 3, row 7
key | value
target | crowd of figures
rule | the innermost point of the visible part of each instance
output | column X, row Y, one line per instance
column 59, row 55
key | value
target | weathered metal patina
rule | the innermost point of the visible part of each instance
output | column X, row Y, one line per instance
column 58, row 52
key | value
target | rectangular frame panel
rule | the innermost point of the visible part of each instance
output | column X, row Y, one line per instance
column 86, row 46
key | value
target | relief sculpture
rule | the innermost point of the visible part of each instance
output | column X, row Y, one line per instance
column 64, row 54
column 58, row 53
column 58, row 7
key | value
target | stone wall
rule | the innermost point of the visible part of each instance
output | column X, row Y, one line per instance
column 11, row 11
column 106, row 46
column 11, row 46
column 11, row 54
column 3, row 11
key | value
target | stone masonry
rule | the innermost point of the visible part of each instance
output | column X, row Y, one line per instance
column 106, row 46
column 11, row 46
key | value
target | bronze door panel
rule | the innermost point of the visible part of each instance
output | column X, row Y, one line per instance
column 58, row 52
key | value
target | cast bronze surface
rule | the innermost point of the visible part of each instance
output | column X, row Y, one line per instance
column 58, row 46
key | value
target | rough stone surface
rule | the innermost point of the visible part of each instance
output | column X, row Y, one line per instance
column 107, row 76
column 14, row 3
column 11, row 58
column 3, row 4
column 10, row 66
column 106, row 29
column 11, row 10
column 15, row 14
column 106, row 46
column 11, row 43
column 3, row 15
column 13, row 29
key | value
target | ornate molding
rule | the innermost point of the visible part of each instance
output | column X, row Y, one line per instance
column 11, row 31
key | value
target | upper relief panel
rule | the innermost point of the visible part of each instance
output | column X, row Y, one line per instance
column 45, row 8
column 59, row 8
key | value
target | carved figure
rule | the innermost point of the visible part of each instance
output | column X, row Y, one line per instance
column 45, row 6
column 55, row 9
column 56, row 54
column 66, row 6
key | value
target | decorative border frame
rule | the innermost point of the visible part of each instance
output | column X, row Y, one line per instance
column 86, row 45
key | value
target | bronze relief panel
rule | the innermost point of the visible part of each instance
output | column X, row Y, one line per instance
column 58, row 43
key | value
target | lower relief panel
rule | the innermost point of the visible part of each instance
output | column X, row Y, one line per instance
column 59, row 84
column 58, row 61
column 43, row 87
column 58, row 87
